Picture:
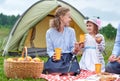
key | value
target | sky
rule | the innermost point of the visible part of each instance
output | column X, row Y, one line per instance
column 107, row 10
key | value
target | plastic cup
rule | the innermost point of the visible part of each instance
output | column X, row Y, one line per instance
column 58, row 53
column 98, row 68
column 82, row 38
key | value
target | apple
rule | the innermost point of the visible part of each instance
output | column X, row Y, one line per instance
column 32, row 60
column 28, row 58
column 21, row 59
column 36, row 59
column 10, row 59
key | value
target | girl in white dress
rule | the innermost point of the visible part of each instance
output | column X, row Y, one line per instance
column 94, row 45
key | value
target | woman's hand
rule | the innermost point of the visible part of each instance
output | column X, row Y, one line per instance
column 76, row 48
column 54, row 57
column 81, row 45
column 112, row 58
column 118, row 59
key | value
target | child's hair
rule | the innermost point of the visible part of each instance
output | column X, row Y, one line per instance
column 96, row 31
column 56, row 22
column 95, row 27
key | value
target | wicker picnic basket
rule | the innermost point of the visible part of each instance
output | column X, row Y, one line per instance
column 23, row 69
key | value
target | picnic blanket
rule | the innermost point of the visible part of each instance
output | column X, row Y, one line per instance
column 81, row 77
column 83, row 74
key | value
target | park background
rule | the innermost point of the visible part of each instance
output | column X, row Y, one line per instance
column 8, row 20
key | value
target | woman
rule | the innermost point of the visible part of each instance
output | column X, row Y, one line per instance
column 60, row 35
column 113, row 65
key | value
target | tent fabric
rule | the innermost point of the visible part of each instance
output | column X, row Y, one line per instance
column 41, row 28
column 37, row 17
column 30, row 18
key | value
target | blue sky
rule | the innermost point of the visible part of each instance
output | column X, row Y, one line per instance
column 107, row 10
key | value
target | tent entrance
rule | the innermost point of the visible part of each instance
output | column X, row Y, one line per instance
column 36, row 41
column 36, row 38
column 36, row 35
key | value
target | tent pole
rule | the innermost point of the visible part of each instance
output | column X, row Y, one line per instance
column 5, row 51
column 6, row 46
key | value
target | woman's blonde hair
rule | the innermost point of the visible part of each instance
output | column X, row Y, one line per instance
column 55, row 22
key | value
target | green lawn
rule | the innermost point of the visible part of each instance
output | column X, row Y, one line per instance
column 4, row 33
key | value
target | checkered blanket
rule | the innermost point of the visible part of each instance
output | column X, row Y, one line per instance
column 83, row 74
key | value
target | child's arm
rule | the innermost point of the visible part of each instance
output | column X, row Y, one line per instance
column 101, row 45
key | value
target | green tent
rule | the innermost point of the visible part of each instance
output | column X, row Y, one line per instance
column 31, row 27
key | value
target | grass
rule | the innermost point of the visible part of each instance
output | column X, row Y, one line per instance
column 3, row 35
column 4, row 32
column 108, row 49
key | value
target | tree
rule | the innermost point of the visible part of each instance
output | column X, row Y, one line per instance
column 109, row 31
column 8, row 21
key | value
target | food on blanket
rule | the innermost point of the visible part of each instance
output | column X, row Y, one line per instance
column 10, row 59
column 36, row 59
column 98, row 68
column 82, row 38
column 107, row 78
column 105, row 73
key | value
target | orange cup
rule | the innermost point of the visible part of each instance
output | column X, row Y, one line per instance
column 58, row 53
column 82, row 38
column 98, row 68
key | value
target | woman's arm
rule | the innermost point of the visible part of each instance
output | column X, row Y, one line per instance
column 72, row 41
column 74, row 45
column 116, row 49
column 50, row 49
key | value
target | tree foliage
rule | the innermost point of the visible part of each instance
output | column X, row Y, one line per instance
column 109, row 31
column 8, row 21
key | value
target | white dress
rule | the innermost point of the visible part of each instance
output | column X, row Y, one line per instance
column 92, row 53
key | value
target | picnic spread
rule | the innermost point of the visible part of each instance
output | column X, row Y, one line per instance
column 13, row 70
column 83, row 76
column 25, row 67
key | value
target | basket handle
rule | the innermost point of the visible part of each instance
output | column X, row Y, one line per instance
column 25, row 48
column 24, row 51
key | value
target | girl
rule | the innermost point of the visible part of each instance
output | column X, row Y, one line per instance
column 93, row 46
column 60, row 35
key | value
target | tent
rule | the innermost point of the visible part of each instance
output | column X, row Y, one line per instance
column 31, row 27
